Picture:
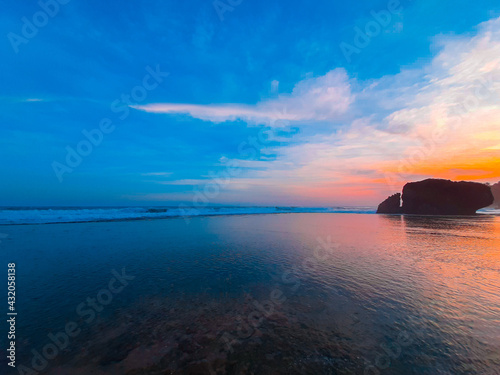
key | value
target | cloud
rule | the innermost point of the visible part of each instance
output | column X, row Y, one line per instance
column 324, row 98
column 452, row 118
column 439, row 119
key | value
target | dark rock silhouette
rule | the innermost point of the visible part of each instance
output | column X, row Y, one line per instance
column 495, row 189
column 444, row 197
column 440, row 197
column 391, row 205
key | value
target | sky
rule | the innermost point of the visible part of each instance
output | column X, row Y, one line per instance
column 244, row 102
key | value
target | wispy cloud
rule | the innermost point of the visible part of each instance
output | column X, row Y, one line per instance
column 324, row 98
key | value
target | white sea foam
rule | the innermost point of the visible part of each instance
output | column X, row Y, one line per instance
column 489, row 211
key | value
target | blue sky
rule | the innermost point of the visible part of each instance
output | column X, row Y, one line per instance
column 266, row 66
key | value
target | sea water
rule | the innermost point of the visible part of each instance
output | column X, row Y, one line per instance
column 291, row 293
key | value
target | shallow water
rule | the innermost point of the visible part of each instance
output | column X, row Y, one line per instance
column 262, row 294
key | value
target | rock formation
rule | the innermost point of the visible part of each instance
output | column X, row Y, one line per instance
column 495, row 189
column 391, row 205
column 440, row 197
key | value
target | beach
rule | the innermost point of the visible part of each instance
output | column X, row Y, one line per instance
column 300, row 293
column 239, row 187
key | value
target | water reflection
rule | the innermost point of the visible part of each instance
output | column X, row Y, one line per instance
column 395, row 294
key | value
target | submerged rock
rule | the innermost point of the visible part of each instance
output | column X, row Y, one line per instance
column 439, row 197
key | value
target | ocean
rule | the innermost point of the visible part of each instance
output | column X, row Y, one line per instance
column 50, row 215
column 252, row 291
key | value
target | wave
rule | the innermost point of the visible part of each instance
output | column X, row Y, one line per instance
column 489, row 211
column 51, row 215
